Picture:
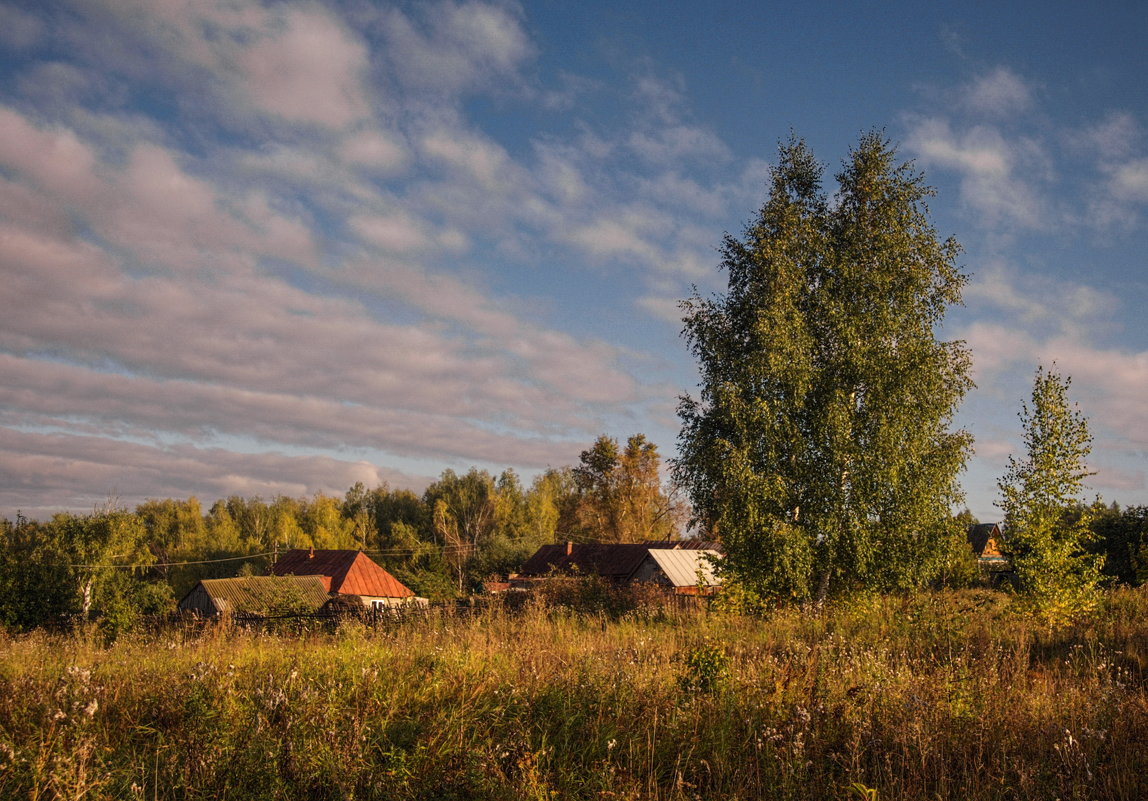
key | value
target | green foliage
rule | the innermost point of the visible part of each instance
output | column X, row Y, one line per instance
column 464, row 529
column 819, row 450
column 618, row 495
column 78, row 568
column 862, row 792
column 1121, row 537
column 1046, row 529
column 957, row 566
column 704, row 667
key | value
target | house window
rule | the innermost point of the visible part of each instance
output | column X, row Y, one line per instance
column 378, row 605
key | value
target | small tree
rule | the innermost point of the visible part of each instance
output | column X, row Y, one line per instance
column 1046, row 527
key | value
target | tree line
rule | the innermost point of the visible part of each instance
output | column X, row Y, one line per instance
column 116, row 565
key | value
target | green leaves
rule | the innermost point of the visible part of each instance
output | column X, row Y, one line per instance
column 1046, row 529
column 819, row 449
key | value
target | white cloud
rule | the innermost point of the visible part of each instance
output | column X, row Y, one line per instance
column 1000, row 93
column 1000, row 177
column 1047, row 304
column 662, row 308
column 1130, row 180
column 19, row 29
column 606, row 238
column 328, row 288
column 1112, row 138
column 479, row 159
column 374, row 150
column 398, row 233
column 308, row 68
column 80, row 473
column 455, row 47
column 672, row 144
column 1112, row 385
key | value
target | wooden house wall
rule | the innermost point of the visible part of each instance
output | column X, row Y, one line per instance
column 198, row 601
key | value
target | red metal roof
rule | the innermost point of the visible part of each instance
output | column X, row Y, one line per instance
column 348, row 572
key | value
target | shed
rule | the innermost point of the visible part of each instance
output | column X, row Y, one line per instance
column 256, row 595
column 688, row 572
column 346, row 572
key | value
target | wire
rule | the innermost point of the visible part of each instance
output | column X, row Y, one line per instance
column 445, row 549
column 171, row 564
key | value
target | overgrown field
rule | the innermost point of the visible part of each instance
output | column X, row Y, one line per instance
column 950, row 696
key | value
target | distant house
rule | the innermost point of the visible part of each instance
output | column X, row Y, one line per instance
column 988, row 545
column 256, row 595
column 985, row 540
column 685, row 566
column 346, row 573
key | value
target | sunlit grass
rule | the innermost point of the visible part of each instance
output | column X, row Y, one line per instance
column 937, row 696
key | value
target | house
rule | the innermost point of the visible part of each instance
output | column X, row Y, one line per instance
column 256, row 595
column 985, row 540
column 676, row 565
column 613, row 561
column 346, row 573
column 988, row 545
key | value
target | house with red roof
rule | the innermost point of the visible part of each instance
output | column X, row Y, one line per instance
column 346, row 573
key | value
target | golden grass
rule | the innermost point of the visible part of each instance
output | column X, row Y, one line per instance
column 946, row 695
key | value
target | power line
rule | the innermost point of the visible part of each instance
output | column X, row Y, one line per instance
column 169, row 564
column 445, row 549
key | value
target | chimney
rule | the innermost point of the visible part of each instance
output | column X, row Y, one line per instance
column 311, row 553
column 569, row 548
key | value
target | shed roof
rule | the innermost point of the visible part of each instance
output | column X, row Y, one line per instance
column 348, row 572
column 687, row 568
column 260, row 594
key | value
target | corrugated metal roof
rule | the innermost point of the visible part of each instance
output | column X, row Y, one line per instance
column 258, row 594
column 348, row 572
column 683, row 567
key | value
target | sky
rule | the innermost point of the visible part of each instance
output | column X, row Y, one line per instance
column 266, row 248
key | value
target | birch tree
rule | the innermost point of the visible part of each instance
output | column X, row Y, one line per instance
column 820, row 450
column 1046, row 527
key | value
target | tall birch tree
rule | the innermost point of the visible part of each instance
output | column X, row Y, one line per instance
column 820, row 450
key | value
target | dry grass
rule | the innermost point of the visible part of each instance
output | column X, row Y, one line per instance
column 945, row 696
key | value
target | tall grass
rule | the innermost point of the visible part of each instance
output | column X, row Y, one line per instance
column 948, row 696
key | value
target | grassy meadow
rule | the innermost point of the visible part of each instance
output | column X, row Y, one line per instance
column 937, row 696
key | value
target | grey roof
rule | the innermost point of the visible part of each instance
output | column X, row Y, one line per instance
column 256, row 595
column 682, row 568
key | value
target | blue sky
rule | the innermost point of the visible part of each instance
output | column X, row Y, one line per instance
column 263, row 248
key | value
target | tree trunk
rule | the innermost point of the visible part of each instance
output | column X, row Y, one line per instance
column 86, row 598
column 823, row 587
